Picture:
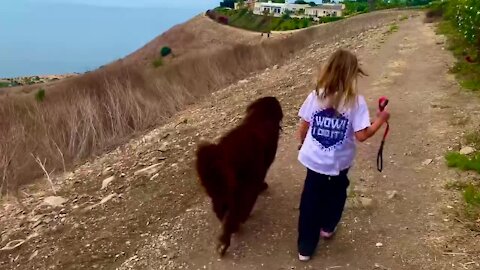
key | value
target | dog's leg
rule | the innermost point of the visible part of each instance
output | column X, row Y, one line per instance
column 231, row 225
column 231, row 216
column 224, row 243
column 220, row 208
column 248, row 205
column 260, row 177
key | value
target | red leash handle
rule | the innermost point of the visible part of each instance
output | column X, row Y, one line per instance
column 382, row 104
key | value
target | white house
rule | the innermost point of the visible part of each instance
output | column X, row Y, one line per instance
column 325, row 10
column 275, row 9
column 278, row 9
column 296, row 10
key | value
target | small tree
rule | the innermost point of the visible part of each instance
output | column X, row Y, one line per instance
column 228, row 3
column 165, row 51
column 287, row 14
column 305, row 23
column 40, row 95
column 241, row 4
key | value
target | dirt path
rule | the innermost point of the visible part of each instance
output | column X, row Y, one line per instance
column 160, row 218
column 412, row 71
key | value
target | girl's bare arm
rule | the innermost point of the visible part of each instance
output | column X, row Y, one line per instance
column 365, row 134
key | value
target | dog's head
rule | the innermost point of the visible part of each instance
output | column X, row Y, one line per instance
column 266, row 108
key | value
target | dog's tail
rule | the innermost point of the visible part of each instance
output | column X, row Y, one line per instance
column 210, row 169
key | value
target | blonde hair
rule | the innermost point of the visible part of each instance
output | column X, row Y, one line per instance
column 338, row 80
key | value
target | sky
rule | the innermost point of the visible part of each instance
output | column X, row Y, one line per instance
column 136, row 3
column 39, row 37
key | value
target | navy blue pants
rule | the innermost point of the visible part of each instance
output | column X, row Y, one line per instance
column 321, row 207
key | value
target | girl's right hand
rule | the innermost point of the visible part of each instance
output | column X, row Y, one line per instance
column 384, row 115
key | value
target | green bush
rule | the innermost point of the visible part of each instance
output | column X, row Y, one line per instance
column 467, row 67
column 242, row 11
column 416, row 3
column 393, row 28
column 472, row 195
column 329, row 19
column 305, row 23
column 157, row 63
column 352, row 7
column 463, row 162
column 165, row 51
column 40, row 95
column 466, row 15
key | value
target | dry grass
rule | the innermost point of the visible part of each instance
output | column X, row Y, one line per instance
column 68, row 126
column 83, row 116
column 99, row 110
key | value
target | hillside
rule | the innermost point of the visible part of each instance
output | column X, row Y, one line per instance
column 99, row 110
column 139, row 206
column 192, row 39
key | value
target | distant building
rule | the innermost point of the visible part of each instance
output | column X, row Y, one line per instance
column 298, row 9
column 295, row 10
column 275, row 9
column 325, row 10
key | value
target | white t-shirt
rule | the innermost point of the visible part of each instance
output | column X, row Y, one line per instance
column 329, row 146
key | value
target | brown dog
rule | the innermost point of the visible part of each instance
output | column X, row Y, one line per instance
column 233, row 171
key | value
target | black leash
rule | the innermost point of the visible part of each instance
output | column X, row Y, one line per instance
column 382, row 103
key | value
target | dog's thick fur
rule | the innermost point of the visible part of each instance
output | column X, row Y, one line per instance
column 233, row 171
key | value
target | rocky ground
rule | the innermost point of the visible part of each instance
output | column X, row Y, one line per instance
column 140, row 206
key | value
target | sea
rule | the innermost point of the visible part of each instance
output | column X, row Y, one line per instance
column 45, row 37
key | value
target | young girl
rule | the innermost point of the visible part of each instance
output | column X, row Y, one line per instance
column 332, row 118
